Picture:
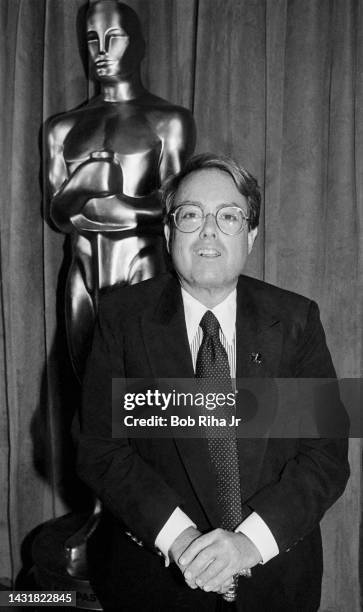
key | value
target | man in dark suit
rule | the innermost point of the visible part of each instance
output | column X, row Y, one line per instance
column 213, row 510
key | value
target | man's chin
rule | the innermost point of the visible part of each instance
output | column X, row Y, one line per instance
column 212, row 280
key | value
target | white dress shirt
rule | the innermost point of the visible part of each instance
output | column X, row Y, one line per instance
column 254, row 527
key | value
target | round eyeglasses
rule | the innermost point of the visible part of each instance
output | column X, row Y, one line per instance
column 188, row 218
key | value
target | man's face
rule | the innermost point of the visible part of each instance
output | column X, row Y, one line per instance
column 113, row 47
column 208, row 260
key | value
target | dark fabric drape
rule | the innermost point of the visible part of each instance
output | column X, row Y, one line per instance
column 277, row 84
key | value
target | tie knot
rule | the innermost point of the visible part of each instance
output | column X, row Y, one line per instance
column 209, row 324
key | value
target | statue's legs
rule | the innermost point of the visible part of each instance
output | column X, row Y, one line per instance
column 101, row 261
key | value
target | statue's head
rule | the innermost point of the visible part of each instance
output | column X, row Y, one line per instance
column 115, row 41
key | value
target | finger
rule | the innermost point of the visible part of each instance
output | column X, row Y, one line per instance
column 196, row 547
column 190, row 581
column 191, row 585
column 213, row 584
column 226, row 586
column 199, row 563
column 210, row 573
column 223, row 557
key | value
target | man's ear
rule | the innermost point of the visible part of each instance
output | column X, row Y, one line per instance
column 251, row 238
column 167, row 236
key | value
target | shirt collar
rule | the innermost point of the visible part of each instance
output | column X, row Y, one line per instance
column 225, row 313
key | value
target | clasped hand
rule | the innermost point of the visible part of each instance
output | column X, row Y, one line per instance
column 211, row 560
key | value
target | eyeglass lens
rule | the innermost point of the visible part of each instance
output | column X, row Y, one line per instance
column 190, row 218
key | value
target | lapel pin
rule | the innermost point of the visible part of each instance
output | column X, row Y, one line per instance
column 256, row 358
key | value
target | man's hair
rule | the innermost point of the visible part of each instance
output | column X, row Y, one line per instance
column 244, row 181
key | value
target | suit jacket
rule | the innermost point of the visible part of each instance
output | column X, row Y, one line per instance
column 290, row 483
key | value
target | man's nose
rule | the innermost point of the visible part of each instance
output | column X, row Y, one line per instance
column 209, row 227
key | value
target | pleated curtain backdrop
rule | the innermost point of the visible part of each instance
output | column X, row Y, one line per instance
column 278, row 84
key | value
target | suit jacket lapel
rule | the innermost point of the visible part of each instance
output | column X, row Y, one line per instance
column 258, row 336
column 165, row 335
column 167, row 347
column 258, row 345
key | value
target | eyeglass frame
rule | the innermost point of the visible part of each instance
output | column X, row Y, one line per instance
column 204, row 216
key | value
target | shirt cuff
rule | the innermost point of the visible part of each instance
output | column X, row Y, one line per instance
column 255, row 528
column 177, row 522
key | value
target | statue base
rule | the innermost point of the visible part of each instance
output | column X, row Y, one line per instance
column 50, row 561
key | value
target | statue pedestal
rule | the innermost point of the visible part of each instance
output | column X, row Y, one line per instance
column 50, row 561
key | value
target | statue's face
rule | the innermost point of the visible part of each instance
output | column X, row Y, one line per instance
column 114, row 45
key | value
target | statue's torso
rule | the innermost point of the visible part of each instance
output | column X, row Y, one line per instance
column 123, row 231
column 130, row 131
